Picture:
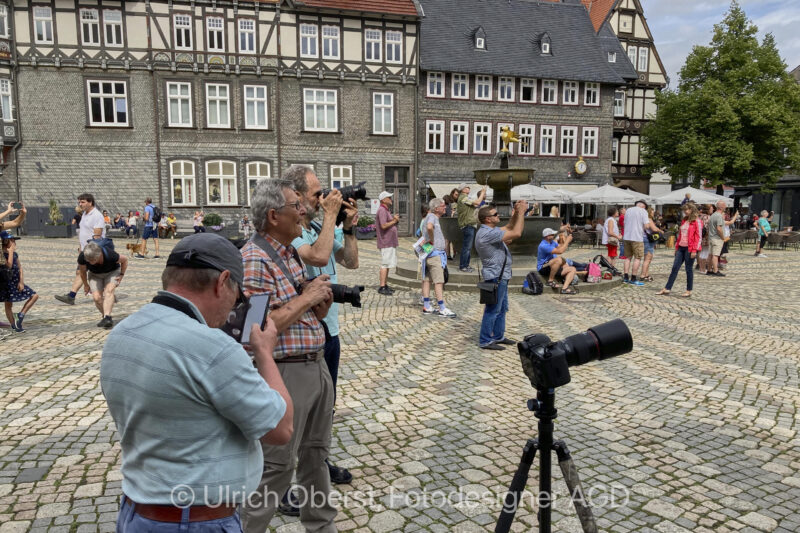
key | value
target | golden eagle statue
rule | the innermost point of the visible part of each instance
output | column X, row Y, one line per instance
column 508, row 136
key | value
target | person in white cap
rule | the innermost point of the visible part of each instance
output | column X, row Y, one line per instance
column 467, row 212
column 386, row 229
column 550, row 263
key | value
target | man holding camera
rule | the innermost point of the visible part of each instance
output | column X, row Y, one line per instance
column 272, row 265
column 190, row 409
column 320, row 247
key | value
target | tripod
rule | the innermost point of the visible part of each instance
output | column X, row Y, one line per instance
column 544, row 409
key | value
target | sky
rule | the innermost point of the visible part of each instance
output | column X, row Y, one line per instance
column 678, row 25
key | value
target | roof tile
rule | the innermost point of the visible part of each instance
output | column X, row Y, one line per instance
column 392, row 7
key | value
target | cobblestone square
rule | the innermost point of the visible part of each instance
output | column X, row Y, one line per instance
column 694, row 431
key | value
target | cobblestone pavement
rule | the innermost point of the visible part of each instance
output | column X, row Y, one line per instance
column 696, row 430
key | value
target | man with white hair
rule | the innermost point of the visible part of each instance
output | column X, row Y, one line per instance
column 716, row 236
column 106, row 269
column 467, row 212
column 764, row 230
column 434, row 260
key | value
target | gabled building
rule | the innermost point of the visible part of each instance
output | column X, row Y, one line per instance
column 191, row 103
column 539, row 68
column 634, row 105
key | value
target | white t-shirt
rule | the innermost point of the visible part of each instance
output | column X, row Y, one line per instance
column 635, row 219
column 89, row 222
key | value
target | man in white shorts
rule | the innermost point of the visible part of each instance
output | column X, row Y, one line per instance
column 386, row 229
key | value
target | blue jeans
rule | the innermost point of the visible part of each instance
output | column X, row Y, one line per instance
column 466, row 246
column 332, row 352
column 130, row 522
column 493, row 324
column 682, row 256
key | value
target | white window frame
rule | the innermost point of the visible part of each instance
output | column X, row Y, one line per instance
column 222, row 179
column 379, row 110
column 644, row 56
column 433, row 129
column 459, row 81
column 5, row 101
column 505, row 84
column 594, row 139
column 310, row 98
column 552, row 87
column 528, row 82
column 179, row 121
column 218, row 100
column 43, row 25
column 394, row 46
column 615, row 150
column 253, row 172
column 4, row 33
column 547, row 132
column 481, row 81
column 215, row 26
column 254, row 100
column 480, row 43
column 589, row 90
column 633, row 54
column 612, row 57
column 331, row 39
column 499, row 140
column 185, row 179
column 90, row 20
column 184, row 29
column 345, row 175
column 484, row 134
column 435, row 79
column 112, row 29
column 373, row 41
column 569, row 133
column 619, row 104
column 527, row 135
column 116, row 97
column 545, row 48
column 309, row 40
column 569, row 93
column 459, row 129
column 246, row 36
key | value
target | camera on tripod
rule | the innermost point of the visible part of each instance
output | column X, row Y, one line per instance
column 356, row 192
column 547, row 363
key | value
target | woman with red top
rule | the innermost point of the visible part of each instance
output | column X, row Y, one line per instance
column 689, row 236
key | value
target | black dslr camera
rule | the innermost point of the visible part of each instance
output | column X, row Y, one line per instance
column 356, row 192
column 547, row 363
column 342, row 294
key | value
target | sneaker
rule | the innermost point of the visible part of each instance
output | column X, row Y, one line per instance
column 636, row 283
column 717, row 274
column 467, row 269
column 290, row 505
column 446, row 313
column 106, row 323
column 18, row 330
column 628, row 281
column 156, row 257
column 756, row 254
column 493, row 346
column 65, row 298
column 140, row 256
column 761, row 255
column 18, row 323
column 339, row 475
column 507, row 342
column 389, row 290
column 428, row 311
column 384, row 291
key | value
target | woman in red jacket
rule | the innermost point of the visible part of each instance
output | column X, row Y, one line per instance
column 689, row 237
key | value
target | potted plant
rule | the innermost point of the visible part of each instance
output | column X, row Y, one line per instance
column 365, row 228
column 55, row 226
column 213, row 222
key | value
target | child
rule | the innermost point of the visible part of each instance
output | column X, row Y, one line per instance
column 15, row 290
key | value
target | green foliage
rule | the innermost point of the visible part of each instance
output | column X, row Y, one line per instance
column 212, row 219
column 55, row 213
column 364, row 221
column 735, row 116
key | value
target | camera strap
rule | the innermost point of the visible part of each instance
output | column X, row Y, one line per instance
column 262, row 243
column 174, row 303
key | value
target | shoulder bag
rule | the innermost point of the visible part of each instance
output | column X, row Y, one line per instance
column 489, row 288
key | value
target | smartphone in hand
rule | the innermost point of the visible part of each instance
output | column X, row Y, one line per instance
column 16, row 205
column 242, row 317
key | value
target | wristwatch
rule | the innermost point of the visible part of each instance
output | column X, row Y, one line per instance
column 347, row 231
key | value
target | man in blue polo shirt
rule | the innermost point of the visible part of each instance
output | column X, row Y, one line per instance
column 150, row 227
column 549, row 262
column 190, row 409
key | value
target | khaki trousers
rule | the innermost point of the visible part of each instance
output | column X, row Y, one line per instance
column 310, row 386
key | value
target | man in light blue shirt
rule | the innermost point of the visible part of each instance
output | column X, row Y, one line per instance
column 190, row 409
column 320, row 247
column 491, row 242
column 150, row 227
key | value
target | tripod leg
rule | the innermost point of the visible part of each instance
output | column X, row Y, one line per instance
column 514, row 496
column 570, row 474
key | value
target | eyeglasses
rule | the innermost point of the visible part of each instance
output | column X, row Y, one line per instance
column 493, row 214
column 296, row 206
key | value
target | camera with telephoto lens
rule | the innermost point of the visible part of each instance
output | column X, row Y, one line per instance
column 546, row 363
column 342, row 294
column 356, row 192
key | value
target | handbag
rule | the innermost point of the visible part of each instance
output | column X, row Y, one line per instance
column 613, row 241
column 489, row 288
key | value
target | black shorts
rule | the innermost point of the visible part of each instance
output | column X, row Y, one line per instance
column 763, row 241
column 545, row 270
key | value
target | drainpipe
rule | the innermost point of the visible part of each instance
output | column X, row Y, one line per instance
column 277, row 171
column 156, row 118
column 414, row 205
column 15, row 90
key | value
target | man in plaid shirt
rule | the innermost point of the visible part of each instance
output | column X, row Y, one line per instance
column 298, row 307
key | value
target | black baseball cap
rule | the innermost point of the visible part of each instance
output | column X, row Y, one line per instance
column 5, row 234
column 208, row 250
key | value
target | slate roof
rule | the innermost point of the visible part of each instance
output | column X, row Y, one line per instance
column 514, row 29
column 610, row 43
column 392, row 7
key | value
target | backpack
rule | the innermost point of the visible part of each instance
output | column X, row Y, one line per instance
column 533, row 284
column 105, row 244
column 603, row 262
column 593, row 274
column 157, row 214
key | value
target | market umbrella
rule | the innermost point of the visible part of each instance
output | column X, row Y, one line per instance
column 532, row 193
column 698, row 196
column 606, row 194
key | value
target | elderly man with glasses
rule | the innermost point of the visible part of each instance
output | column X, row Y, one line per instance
column 273, row 266
column 491, row 242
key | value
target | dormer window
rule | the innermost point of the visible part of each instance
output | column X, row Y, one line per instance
column 480, row 39
column 612, row 57
column 545, row 44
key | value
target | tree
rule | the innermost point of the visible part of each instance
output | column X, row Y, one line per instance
column 735, row 116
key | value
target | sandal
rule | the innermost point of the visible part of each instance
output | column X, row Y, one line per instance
column 687, row 294
column 569, row 291
column 647, row 278
column 552, row 284
column 662, row 292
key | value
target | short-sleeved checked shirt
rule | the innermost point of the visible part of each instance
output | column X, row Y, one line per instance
column 263, row 275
